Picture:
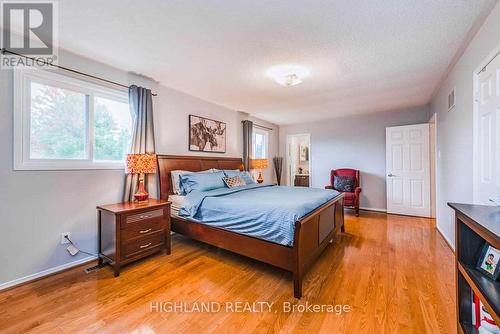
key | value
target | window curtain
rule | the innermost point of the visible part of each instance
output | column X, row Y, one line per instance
column 247, row 143
column 141, row 108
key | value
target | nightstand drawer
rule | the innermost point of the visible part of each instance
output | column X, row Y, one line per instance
column 140, row 217
column 147, row 227
column 136, row 247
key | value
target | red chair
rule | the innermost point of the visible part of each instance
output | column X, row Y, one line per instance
column 351, row 199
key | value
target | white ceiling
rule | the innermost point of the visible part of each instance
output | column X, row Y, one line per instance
column 364, row 55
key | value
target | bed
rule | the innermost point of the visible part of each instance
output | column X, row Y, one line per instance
column 311, row 233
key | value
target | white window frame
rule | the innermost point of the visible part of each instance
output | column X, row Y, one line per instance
column 266, row 136
column 22, row 114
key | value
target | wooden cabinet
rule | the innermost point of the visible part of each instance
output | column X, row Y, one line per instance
column 132, row 231
column 475, row 226
column 301, row 180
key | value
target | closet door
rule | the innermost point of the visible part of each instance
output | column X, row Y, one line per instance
column 408, row 170
column 488, row 133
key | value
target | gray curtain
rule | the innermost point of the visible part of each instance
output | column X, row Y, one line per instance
column 141, row 108
column 247, row 143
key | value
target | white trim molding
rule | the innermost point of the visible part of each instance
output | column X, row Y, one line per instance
column 450, row 244
column 373, row 209
column 288, row 174
column 46, row 272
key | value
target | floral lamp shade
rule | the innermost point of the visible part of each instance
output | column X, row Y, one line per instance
column 259, row 163
column 141, row 163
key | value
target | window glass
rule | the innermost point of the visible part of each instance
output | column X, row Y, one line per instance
column 112, row 129
column 57, row 123
column 260, row 144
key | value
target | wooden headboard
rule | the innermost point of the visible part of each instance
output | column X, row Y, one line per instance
column 168, row 163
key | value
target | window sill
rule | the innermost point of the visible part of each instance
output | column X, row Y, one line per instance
column 67, row 165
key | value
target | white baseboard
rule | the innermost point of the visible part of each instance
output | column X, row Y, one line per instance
column 373, row 209
column 46, row 272
column 452, row 246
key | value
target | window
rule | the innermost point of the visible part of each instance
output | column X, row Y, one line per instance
column 260, row 144
column 65, row 123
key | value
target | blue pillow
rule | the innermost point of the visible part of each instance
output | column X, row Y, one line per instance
column 245, row 176
column 200, row 182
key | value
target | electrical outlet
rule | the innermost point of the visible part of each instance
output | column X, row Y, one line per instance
column 65, row 241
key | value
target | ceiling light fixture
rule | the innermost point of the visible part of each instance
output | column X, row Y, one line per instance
column 287, row 74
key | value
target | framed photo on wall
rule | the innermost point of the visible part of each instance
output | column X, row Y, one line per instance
column 206, row 135
column 303, row 153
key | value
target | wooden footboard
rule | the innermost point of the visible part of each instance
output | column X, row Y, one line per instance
column 312, row 234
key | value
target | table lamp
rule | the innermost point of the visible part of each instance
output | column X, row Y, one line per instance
column 143, row 163
column 259, row 164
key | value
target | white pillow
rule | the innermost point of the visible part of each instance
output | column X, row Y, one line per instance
column 175, row 178
column 218, row 170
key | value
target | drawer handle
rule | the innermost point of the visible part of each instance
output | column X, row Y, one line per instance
column 144, row 216
column 145, row 246
column 145, row 231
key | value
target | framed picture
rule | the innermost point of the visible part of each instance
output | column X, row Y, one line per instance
column 303, row 153
column 451, row 99
column 488, row 261
column 206, row 135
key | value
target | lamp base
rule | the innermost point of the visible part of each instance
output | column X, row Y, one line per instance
column 145, row 201
column 260, row 179
column 141, row 195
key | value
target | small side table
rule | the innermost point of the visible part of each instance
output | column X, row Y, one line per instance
column 131, row 231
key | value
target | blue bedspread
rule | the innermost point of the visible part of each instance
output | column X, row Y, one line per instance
column 263, row 211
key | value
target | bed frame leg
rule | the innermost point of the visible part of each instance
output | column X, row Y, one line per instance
column 297, row 285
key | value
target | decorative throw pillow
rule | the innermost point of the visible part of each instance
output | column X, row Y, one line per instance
column 343, row 183
column 245, row 176
column 234, row 181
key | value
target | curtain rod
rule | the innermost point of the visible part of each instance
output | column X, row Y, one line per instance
column 4, row 51
column 484, row 68
column 261, row 126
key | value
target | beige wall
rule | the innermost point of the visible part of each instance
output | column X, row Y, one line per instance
column 454, row 172
column 353, row 142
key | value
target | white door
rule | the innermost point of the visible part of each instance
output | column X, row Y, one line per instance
column 488, row 133
column 408, row 170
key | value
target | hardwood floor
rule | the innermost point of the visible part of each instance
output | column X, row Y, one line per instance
column 395, row 273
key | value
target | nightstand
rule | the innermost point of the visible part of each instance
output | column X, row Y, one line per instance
column 301, row 180
column 131, row 231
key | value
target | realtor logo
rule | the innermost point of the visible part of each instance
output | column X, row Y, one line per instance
column 29, row 28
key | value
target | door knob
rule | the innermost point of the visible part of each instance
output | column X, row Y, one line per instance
column 390, row 175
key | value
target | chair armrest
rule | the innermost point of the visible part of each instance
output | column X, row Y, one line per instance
column 357, row 191
column 328, row 187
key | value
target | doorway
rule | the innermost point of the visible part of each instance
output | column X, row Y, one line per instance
column 408, row 170
column 298, row 148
